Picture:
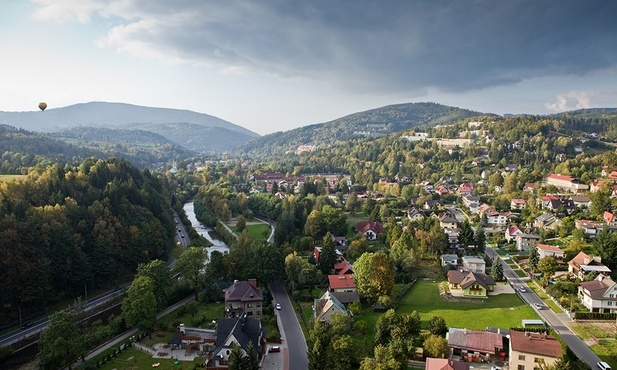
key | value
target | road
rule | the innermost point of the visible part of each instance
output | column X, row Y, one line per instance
column 556, row 321
column 291, row 332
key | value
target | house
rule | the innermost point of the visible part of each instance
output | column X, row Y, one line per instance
column 464, row 191
column 547, row 221
column 343, row 268
column 317, row 253
column 582, row 264
column 599, row 295
column 243, row 297
column 589, row 227
column 326, row 306
column 449, row 259
column 442, row 190
column 448, row 222
column 414, row 214
column 369, row 229
column 465, row 341
column 472, row 202
column 445, row 364
column 610, row 219
column 512, row 232
column 484, row 208
column 545, row 250
column 527, row 350
column 495, row 218
column 518, row 204
column 581, row 201
column 474, row 264
column 525, row 241
column 244, row 331
column 432, row 204
column 566, row 183
column 473, row 284
column 343, row 288
column 340, row 243
column 341, row 283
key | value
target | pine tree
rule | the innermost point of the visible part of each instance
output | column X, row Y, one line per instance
column 497, row 269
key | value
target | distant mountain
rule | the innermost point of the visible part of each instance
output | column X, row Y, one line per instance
column 195, row 131
column 370, row 123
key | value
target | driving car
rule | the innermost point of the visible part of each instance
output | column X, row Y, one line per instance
column 538, row 306
column 278, row 306
column 274, row 349
column 603, row 366
column 523, row 289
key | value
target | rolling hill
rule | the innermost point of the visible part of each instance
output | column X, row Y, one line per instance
column 371, row 123
column 195, row 131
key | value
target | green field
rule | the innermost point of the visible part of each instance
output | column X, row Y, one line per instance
column 503, row 311
column 258, row 231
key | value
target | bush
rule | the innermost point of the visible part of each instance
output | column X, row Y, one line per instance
column 595, row 316
column 361, row 327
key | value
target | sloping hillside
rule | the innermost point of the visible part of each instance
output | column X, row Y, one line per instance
column 375, row 122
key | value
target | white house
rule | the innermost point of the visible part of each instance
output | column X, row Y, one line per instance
column 474, row 264
column 599, row 295
column 449, row 259
column 545, row 250
column 525, row 241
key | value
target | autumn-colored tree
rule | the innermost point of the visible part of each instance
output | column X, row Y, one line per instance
column 374, row 275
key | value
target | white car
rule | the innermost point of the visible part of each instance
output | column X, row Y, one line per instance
column 278, row 306
column 523, row 289
column 495, row 368
column 604, row 366
column 538, row 306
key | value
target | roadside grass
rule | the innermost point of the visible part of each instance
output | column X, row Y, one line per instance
column 605, row 333
column 258, row 231
column 544, row 297
column 605, row 355
column 503, row 311
column 520, row 273
column 500, row 252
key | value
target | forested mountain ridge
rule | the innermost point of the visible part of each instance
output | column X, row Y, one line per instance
column 196, row 131
column 65, row 227
column 370, row 123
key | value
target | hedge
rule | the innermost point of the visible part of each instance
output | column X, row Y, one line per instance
column 595, row 316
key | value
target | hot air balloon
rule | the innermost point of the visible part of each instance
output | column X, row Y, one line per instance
column 42, row 106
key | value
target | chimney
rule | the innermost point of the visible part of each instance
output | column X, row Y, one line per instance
column 253, row 283
column 182, row 329
column 235, row 282
column 598, row 259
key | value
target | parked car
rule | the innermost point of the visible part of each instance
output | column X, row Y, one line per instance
column 274, row 349
column 278, row 306
column 27, row 325
column 495, row 367
column 538, row 306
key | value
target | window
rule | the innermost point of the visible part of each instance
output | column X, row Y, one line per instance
column 258, row 304
column 610, row 303
column 521, row 357
column 249, row 305
column 521, row 367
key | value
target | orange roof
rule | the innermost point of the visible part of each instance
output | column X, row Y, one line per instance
column 549, row 248
column 557, row 176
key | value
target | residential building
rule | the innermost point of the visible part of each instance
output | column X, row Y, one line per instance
column 474, row 264
column 529, row 350
column 448, row 222
column 610, row 219
column 599, row 295
column 341, row 283
column 590, row 228
column 581, row 201
column 582, row 264
column 545, row 250
column 512, row 232
column 343, row 268
column 518, row 204
column 566, row 183
column 243, row 331
column 326, row 306
column 243, row 298
column 525, row 241
column 547, row 221
column 414, row 214
column 476, row 285
column 472, row 202
column 495, row 218
column 449, row 259
column 369, row 229
column 484, row 208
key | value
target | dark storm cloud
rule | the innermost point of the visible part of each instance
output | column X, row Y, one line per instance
column 405, row 45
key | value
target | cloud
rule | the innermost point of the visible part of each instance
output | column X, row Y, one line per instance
column 575, row 100
column 363, row 46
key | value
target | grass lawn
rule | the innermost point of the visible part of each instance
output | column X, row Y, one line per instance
column 520, row 273
column 258, row 231
column 503, row 311
column 132, row 358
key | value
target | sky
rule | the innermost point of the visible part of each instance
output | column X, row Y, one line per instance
column 273, row 65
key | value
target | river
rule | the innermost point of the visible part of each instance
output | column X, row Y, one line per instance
column 217, row 245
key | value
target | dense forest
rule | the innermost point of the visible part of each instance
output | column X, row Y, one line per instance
column 68, row 228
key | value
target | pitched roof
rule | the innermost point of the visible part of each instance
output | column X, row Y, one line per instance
column 467, row 278
column 480, row 341
column 557, row 176
column 364, row 226
column 343, row 267
column 549, row 248
column 325, row 303
column 243, row 291
column 598, row 287
column 244, row 330
column 341, row 282
column 445, row 364
column 346, row 297
column 535, row 343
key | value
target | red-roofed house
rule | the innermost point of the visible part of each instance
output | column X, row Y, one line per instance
column 527, row 350
column 343, row 268
column 545, row 250
column 599, row 295
column 512, row 232
column 341, row 283
column 610, row 218
column 518, row 204
column 369, row 229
